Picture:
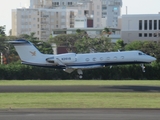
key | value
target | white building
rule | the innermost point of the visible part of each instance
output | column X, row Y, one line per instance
column 43, row 16
column 140, row 27
column 111, row 10
column 41, row 21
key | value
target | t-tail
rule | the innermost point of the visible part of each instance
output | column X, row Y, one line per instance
column 28, row 53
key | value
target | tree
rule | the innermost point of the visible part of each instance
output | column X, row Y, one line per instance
column 29, row 37
column 148, row 47
column 106, row 31
column 152, row 48
column 66, row 40
column 119, row 45
column 136, row 45
column 2, row 30
column 81, row 33
column 99, row 44
column 43, row 47
column 8, row 50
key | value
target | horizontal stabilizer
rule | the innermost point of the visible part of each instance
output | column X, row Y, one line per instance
column 19, row 42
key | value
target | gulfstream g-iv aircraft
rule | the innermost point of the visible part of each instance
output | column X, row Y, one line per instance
column 69, row 62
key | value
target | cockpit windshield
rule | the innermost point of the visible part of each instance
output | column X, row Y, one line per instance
column 140, row 53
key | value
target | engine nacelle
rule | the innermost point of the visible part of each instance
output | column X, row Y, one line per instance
column 62, row 59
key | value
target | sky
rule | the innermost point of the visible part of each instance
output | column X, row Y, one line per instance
column 133, row 7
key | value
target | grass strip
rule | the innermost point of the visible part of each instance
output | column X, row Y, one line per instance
column 81, row 82
column 79, row 100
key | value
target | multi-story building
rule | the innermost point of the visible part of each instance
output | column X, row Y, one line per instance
column 41, row 21
column 44, row 16
column 144, row 27
column 111, row 10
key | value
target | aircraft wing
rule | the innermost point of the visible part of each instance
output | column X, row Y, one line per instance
column 60, row 62
column 70, row 69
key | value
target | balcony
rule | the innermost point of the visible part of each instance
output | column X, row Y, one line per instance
column 44, row 22
column 44, row 16
column 44, row 29
column 55, row 5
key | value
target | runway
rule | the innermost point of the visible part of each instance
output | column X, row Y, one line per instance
column 80, row 114
column 10, row 89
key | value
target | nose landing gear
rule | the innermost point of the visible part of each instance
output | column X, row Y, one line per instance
column 143, row 67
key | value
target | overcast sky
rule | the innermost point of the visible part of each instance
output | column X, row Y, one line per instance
column 134, row 7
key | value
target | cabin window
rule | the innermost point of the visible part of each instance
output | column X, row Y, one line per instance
column 87, row 59
column 115, row 58
column 122, row 57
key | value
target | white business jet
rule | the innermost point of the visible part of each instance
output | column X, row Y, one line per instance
column 69, row 62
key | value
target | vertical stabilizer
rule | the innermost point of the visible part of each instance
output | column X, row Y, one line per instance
column 26, row 50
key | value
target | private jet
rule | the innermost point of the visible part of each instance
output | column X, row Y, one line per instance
column 69, row 62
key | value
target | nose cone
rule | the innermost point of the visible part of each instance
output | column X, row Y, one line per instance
column 153, row 59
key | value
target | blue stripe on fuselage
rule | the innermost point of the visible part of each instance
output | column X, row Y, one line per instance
column 80, row 65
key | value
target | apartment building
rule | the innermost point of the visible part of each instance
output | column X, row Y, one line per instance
column 111, row 10
column 45, row 16
column 144, row 27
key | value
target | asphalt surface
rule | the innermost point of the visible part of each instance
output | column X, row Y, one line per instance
column 80, row 114
column 4, row 89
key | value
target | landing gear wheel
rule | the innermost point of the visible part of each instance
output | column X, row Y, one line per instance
column 80, row 76
column 80, row 73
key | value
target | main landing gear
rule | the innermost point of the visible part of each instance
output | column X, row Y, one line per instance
column 143, row 67
column 80, row 73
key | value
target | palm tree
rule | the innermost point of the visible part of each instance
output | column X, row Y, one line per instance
column 106, row 31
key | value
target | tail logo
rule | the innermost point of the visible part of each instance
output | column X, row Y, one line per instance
column 33, row 53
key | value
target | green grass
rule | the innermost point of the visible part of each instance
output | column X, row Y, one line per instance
column 81, row 82
column 79, row 100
